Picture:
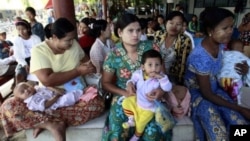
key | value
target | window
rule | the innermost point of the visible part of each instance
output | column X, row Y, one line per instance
column 209, row 3
column 199, row 3
column 216, row 3
column 221, row 3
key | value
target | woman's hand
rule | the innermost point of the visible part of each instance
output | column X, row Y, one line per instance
column 155, row 94
column 245, row 112
column 86, row 68
column 130, row 89
column 27, row 68
column 242, row 68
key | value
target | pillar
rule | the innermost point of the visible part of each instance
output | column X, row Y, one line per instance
column 104, row 9
column 66, row 9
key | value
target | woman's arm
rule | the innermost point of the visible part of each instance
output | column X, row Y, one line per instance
column 96, row 57
column 108, row 84
column 49, row 78
column 205, row 87
column 18, row 50
column 51, row 101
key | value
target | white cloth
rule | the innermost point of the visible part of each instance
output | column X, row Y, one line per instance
column 19, row 48
column 144, row 37
column 4, row 64
column 37, row 101
column 230, row 58
column 99, row 51
column 169, row 55
column 143, row 87
column 191, row 38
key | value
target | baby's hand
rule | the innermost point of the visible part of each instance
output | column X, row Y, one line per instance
column 158, row 76
column 59, row 91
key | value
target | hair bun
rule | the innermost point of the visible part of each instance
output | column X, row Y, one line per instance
column 91, row 25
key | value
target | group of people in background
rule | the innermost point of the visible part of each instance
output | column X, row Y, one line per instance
column 159, row 50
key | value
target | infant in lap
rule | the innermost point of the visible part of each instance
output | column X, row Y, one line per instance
column 40, row 98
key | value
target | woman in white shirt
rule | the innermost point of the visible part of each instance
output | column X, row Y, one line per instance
column 22, row 48
column 102, row 45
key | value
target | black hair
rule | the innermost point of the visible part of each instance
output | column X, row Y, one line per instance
column 61, row 27
column 151, row 54
column 185, row 21
column 97, row 27
column 161, row 16
column 173, row 14
column 25, row 24
column 212, row 16
column 232, row 42
column 88, row 22
column 196, row 22
column 31, row 10
column 85, row 21
column 123, row 21
column 47, row 30
column 143, row 23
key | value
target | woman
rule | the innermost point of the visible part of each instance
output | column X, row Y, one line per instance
column 244, row 29
column 174, row 46
column 102, row 45
column 36, row 27
column 22, row 49
column 213, row 111
column 193, row 25
column 53, row 64
column 7, row 61
column 121, row 63
column 86, row 40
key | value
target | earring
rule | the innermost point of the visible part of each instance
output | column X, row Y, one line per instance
column 210, row 34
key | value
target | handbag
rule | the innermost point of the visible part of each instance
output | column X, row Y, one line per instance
column 95, row 79
column 163, row 117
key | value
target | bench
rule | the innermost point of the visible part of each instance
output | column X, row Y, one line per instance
column 92, row 131
column 5, row 87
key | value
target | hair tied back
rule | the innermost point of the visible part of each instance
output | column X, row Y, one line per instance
column 91, row 25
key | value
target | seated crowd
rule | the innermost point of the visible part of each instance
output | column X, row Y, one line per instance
column 153, row 61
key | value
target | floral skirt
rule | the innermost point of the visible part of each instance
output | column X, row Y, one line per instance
column 15, row 116
column 212, row 122
column 113, row 127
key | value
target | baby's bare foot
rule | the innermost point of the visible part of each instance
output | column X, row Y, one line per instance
column 37, row 131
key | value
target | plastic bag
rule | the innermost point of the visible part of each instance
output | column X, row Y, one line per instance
column 163, row 117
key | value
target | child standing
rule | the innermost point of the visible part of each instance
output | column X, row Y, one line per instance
column 137, row 107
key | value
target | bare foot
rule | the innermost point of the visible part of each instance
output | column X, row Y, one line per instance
column 36, row 132
column 58, row 131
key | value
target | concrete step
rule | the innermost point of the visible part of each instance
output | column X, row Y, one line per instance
column 90, row 131
column 184, row 130
column 5, row 89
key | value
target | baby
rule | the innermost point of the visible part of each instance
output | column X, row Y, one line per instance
column 137, row 107
column 229, row 78
column 47, row 98
column 178, row 101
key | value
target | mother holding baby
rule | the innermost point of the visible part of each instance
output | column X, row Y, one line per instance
column 54, row 62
